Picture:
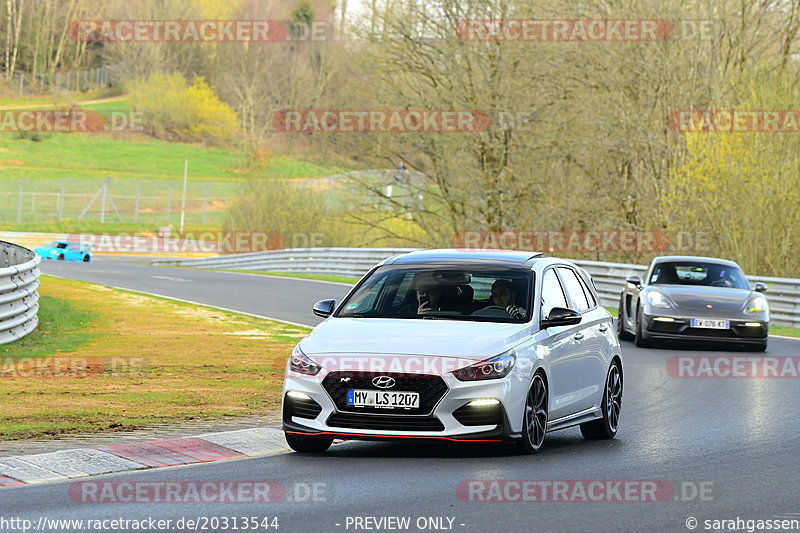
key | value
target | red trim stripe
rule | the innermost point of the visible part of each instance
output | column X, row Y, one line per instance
column 391, row 436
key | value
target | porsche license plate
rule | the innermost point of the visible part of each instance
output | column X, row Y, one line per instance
column 710, row 324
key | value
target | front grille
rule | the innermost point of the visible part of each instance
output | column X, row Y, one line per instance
column 385, row 422
column 479, row 415
column 430, row 389
column 302, row 408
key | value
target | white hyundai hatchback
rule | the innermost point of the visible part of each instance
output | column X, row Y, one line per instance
column 475, row 346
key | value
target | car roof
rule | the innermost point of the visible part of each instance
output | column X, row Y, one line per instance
column 504, row 258
column 679, row 258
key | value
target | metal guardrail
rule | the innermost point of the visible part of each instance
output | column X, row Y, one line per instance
column 609, row 278
column 349, row 262
column 19, row 299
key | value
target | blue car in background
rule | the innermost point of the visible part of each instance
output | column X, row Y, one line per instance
column 66, row 251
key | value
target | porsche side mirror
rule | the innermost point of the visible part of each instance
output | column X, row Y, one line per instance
column 760, row 286
column 561, row 316
column 324, row 308
column 636, row 281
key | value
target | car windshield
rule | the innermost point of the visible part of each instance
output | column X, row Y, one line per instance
column 453, row 293
column 56, row 244
column 694, row 273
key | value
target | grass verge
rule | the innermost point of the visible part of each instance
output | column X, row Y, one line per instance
column 318, row 277
column 163, row 361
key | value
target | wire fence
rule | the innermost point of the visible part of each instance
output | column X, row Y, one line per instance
column 156, row 201
column 24, row 84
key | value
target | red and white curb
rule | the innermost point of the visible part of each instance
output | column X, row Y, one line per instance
column 83, row 462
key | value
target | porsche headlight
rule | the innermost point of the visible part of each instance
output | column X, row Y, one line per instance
column 658, row 299
column 757, row 304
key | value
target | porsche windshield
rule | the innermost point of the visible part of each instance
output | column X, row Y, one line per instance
column 698, row 273
column 478, row 294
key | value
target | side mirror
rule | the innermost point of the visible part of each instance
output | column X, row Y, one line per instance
column 761, row 286
column 561, row 316
column 324, row 308
column 636, row 281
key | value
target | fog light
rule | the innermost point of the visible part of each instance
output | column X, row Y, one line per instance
column 664, row 319
column 753, row 324
column 297, row 394
column 483, row 402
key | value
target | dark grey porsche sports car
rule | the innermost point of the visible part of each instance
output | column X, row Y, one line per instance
column 694, row 298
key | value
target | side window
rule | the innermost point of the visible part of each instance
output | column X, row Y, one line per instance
column 574, row 289
column 588, row 292
column 552, row 293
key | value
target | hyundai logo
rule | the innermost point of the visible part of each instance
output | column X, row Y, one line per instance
column 383, row 382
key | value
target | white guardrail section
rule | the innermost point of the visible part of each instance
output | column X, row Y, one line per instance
column 609, row 278
column 19, row 299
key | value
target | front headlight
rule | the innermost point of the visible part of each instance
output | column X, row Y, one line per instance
column 757, row 304
column 658, row 299
column 494, row 368
column 302, row 364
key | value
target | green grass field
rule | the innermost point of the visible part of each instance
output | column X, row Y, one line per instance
column 87, row 159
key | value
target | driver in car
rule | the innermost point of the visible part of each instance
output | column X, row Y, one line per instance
column 503, row 295
column 503, row 302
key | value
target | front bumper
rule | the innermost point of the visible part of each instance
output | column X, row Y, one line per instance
column 447, row 419
column 679, row 328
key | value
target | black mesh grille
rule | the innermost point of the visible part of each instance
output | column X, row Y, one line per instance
column 303, row 408
column 430, row 389
column 478, row 415
column 387, row 422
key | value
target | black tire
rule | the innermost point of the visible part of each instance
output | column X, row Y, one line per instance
column 640, row 339
column 534, row 418
column 308, row 444
column 87, row 259
column 60, row 257
column 760, row 347
column 622, row 333
column 606, row 427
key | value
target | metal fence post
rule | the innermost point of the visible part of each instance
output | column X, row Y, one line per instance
column 136, row 209
column 169, row 200
column 61, row 200
column 19, row 208
column 205, row 201
column 21, row 82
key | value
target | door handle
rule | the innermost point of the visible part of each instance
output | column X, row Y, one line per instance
column 603, row 328
column 578, row 336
